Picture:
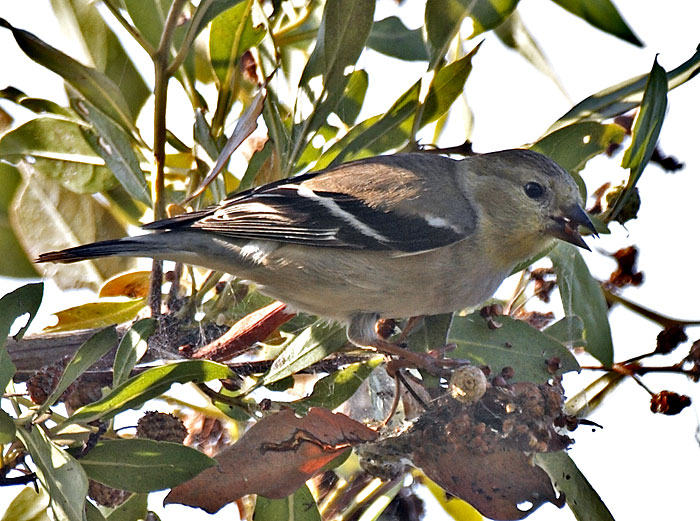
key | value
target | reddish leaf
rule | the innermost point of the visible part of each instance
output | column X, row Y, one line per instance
column 493, row 483
column 273, row 459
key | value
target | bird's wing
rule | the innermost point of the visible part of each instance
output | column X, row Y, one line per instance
column 386, row 211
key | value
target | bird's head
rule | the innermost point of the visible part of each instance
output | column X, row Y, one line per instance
column 534, row 199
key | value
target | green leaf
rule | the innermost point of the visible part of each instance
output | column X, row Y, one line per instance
column 645, row 133
column 353, row 98
column 131, row 348
column 581, row 296
column 300, row 506
column 28, row 505
column 231, row 34
column 134, row 508
column 24, row 300
column 116, row 149
column 357, row 81
column 344, row 29
column 7, row 428
column 572, row 146
column 92, row 513
column 82, row 19
column 568, row 331
column 47, row 217
column 443, row 19
column 149, row 384
column 331, row 391
column 513, row 33
column 602, row 15
column 14, row 261
column 310, row 346
column 515, row 344
column 139, row 465
column 582, row 499
column 625, row 96
column 446, row 87
column 392, row 38
column 57, row 148
column 148, row 17
column 377, row 134
column 61, row 475
column 96, row 314
column 87, row 355
column 92, row 84
column 36, row 105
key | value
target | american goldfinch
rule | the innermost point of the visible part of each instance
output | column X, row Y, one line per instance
column 385, row 237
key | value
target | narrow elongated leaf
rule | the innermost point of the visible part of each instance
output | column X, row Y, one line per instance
column 645, row 133
column 572, row 146
column 82, row 19
column 14, row 261
column 96, row 314
column 446, row 87
column 231, row 34
column 87, row 354
column 131, row 348
column 60, row 474
column 513, row 344
column 344, row 29
column 311, row 345
column 116, row 149
column 24, row 300
column 300, row 506
column 353, row 98
column 28, row 505
column 603, row 15
column 582, row 499
column 57, row 148
column 586, row 401
column 581, row 295
column 443, row 19
column 139, row 465
column 625, row 96
column 392, row 38
column 7, row 428
column 377, row 134
column 36, row 105
column 148, row 17
column 48, row 217
column 149, row 384
column 91, row 83
column 334, row 389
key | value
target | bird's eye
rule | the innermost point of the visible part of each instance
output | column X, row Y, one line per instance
column 534, row 190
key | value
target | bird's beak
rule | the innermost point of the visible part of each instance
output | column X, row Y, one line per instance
column 565, row 226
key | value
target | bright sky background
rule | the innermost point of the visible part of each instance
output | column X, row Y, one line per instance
column 643, row 465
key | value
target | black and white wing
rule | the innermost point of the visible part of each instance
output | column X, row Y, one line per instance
column 372, row 204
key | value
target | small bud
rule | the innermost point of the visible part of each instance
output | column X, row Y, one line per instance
column 669, row 339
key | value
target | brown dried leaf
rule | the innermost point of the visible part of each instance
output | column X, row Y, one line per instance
column 493, row 483
column 274, row 458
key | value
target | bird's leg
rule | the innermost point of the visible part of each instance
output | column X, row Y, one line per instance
column 362, row 332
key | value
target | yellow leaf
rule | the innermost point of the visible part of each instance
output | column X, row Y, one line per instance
column 458, row 509
column 133, row 285
column 96, row 314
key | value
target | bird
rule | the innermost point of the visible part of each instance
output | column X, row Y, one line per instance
column 392, row 236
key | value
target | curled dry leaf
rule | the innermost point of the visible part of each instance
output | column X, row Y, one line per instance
column 274, row 458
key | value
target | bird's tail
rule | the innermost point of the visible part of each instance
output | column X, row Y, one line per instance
column 127, row 247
